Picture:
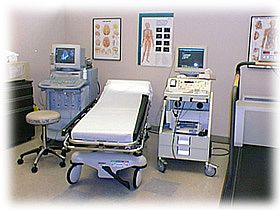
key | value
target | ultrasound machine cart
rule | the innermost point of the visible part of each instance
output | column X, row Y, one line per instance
column 71, row 87
column 185, row 125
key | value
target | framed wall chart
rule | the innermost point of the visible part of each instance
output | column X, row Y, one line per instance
column 155, row 39
column 106, row 39
column 263, row 39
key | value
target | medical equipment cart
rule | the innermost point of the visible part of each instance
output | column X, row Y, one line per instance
column 72, row 85
column 185, row 125
column 68, row 93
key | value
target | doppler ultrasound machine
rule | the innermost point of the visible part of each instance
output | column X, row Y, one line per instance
column 185, row 125
column 73, row 84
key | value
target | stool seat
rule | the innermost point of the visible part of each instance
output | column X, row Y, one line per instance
column 42, row 117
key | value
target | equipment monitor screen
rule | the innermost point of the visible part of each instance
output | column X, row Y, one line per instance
column 65, row 55
column 191, row 59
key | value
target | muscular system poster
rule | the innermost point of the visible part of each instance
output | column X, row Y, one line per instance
column 155, row 41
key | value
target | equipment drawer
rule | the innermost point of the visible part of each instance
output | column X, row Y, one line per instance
column 169, row 139
column 20, row 88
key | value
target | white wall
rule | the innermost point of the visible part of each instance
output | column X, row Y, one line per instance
column 223, row 31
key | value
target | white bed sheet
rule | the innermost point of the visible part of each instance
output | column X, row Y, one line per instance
column 114, row 116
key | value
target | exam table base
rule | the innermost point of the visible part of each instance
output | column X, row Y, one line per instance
column 108, row 165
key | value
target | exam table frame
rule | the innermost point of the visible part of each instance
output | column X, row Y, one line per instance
column 131, row 150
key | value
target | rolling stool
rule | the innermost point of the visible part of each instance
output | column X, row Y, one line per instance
column 43, row 118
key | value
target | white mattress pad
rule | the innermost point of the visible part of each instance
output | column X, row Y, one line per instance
column 114, row 116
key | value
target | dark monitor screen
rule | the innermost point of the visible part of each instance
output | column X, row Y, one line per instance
column 65, row 55
column 190, row 58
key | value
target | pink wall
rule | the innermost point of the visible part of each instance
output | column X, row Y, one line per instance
column 32, row 32
column 224, row 32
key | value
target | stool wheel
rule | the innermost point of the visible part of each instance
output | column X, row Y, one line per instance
column 34, row 169
column 20, row 161
column 62, row 164
column 46, row 152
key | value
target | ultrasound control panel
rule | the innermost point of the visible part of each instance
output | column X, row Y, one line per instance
column 192, row 86
column 63, row 83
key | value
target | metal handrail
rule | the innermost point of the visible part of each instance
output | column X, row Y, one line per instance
column 234, row 97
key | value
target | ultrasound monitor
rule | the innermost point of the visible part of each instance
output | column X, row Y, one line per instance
column 65, row 55
column 191, row 60
column 68, row 56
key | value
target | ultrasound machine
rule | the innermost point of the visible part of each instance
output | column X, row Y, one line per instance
column 73, row 84
column 185, row 126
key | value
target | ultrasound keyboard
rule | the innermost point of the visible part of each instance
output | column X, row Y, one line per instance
column 63, row 83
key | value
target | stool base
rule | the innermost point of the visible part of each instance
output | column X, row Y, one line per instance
column 40, row 152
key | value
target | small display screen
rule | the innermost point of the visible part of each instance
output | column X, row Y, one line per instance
column 190, row 57
column 65, row 55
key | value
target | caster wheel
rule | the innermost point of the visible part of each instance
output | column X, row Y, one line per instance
column 20, row 161
column 210, row 170
column 137, row 177
column 138, row 153
column 161, row 165
column 34, row 169
column 74, row 173
column 46, row 152
column 62, row 164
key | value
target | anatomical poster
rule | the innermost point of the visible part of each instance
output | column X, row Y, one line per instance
column 264, row 39
column 106, row 39
column 155, row 39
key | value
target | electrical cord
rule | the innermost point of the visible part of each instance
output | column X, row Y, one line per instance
column 220, row 154
column 99, row 88
column 187, row 109
column 173, row 138
column 175, row 128
column 159, row 112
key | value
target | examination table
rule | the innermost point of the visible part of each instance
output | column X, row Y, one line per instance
column 110, row 136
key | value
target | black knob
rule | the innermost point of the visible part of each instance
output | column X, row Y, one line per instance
column 199, row 105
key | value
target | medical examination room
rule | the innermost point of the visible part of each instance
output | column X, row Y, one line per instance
column 155, row 104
